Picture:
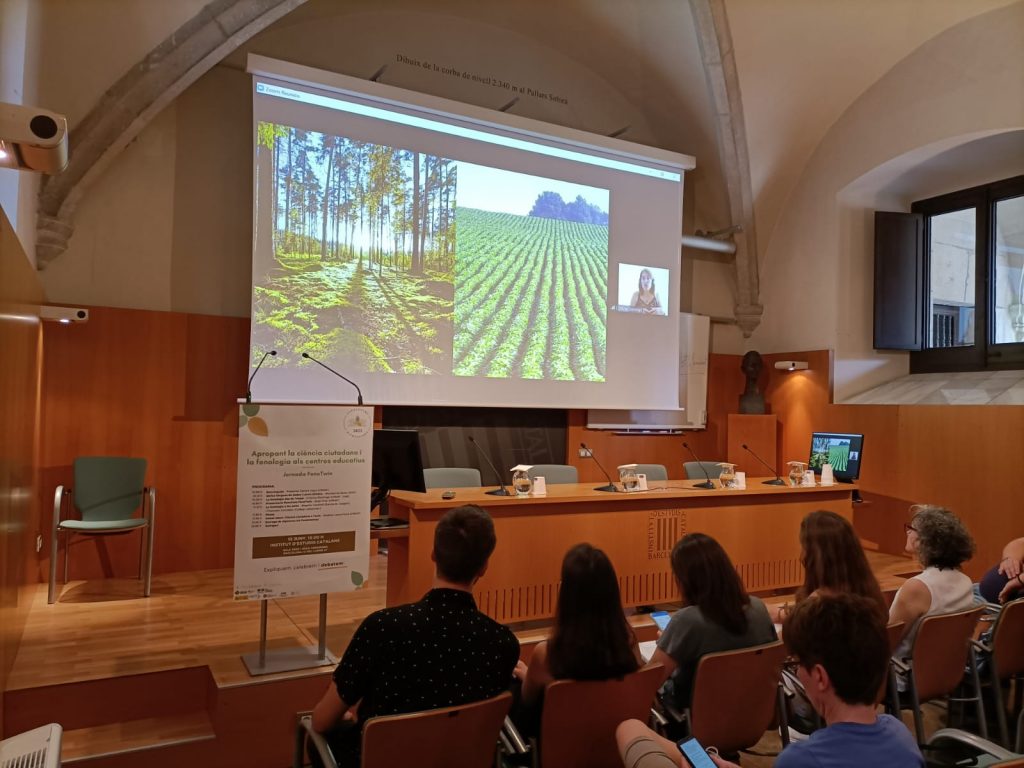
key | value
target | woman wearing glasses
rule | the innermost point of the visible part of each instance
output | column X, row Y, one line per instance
column 942, row 545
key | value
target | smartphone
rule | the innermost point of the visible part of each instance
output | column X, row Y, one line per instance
column 661, row 619
column 448, row 495
column 694, row 754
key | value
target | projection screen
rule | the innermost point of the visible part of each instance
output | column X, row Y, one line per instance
column 443, row 254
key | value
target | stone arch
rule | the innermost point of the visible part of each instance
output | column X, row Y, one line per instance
column 133, row 101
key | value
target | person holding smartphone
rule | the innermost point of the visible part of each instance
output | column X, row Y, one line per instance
column 840, row 653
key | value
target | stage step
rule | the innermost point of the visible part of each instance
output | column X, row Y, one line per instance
column 86, row 745
column 109, row 701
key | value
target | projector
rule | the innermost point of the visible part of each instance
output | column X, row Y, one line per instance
column 33, row 139
column 64, row 314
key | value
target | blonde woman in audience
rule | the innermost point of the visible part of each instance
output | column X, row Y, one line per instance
column 942, row 545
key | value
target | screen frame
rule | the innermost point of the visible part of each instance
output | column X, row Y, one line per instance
column 857, row 439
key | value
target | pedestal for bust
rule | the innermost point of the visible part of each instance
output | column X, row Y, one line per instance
column 760, row 432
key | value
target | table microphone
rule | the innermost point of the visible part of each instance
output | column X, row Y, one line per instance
column 778, row 480
column 248, row 387
column 359, row 392
column 611, row 487
column 503, row 491
column 707, row 483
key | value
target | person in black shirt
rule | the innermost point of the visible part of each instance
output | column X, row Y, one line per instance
column 438, row 652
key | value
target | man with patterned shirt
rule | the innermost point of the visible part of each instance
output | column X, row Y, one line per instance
column 438, row 652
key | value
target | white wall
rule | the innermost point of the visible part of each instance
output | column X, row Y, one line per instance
column 816, row 275
column 19, row 29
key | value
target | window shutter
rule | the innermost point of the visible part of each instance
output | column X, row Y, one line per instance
column 899, row 280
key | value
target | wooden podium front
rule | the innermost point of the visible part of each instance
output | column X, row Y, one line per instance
column 759, row 528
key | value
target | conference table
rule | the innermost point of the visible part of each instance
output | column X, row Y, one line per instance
column 758, row 527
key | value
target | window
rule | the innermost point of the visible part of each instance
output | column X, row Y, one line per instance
column 949, row 279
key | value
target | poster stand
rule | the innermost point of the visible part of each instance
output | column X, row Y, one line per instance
column 265, row 662
column 302, row 524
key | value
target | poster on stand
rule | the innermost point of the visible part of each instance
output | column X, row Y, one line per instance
column 302, row 519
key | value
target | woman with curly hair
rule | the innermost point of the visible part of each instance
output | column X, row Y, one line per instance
column 942, row 545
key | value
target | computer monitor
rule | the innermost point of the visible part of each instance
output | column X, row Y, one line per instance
column 841, row 450
column 397, row 463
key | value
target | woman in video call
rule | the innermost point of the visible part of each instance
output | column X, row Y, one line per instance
column 646, row 296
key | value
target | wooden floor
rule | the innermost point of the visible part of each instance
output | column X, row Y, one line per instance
column 182, row 648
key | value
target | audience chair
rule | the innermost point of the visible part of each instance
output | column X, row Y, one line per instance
column 695, row 470
column 451, row 477
column 952, row 746
column 656, row 473
column 579, row 718
column 554, row 474
column 1005, row 650
column 107, row 491
column 716, row 716
column 936, row 664
column 465, row 736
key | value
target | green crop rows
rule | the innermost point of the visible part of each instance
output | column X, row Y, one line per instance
column 530, row 297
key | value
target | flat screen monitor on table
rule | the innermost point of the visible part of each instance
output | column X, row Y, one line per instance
column 397, row 463
column 841, row 450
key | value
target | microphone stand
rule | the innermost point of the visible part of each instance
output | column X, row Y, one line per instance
column 611, row 487
column 248, row 386
column 503, row 491
column 778, row 480
column 359, row 392
column 707, row 478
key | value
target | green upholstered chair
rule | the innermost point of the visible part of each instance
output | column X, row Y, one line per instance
column 107, row 492
column 693, row 469
column 655, row 472
column 554, row 474
column 451, row 477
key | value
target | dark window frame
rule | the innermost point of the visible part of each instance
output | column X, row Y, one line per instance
column 983, row 354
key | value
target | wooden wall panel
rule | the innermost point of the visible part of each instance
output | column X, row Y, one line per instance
column 163, row 385
column 159, row 385
column 20, row 345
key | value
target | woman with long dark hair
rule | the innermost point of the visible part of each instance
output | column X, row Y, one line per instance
column 591, row 639
column 717, row 614
column 834, row 561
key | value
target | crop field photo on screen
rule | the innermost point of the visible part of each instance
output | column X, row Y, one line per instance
column 531, row 277
column 831, row 450
column 363, row 240
column 643, row 290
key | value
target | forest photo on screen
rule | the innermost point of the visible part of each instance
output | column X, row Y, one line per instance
column 396, row 261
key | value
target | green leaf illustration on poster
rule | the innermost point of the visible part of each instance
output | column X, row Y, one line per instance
column 242, row 419
column 357, row 578
column 251, row 409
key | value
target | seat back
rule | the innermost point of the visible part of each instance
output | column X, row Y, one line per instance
column 735, row 694
column 1008, row 640
column 451, row 477
column 554, row 474
column 465, row 736
column 108, row 487
column 580, row 717
column 694, row 472
column 939, row 652
column 654, row 472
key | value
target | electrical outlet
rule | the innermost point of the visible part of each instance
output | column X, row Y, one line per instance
column 584, row 453
column 39, row 543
